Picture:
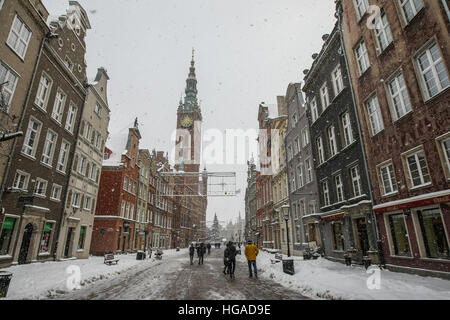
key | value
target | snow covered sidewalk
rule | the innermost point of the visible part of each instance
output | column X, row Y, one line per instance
column 43, row 280
column 331, row 280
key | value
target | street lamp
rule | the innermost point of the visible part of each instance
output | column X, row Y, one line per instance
column 285, row 209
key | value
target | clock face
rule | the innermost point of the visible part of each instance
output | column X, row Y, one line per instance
column 187, row 122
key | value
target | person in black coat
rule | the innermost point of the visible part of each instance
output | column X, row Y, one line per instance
column 191, row 253
column 208, row 246
column 230, row 257
column 201, row 250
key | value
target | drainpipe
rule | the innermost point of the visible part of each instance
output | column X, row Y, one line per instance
column 19, row 125
column 445, row 5
column 369, row 183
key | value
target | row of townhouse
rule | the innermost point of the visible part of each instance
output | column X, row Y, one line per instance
column 368, row 148
column 50, row 174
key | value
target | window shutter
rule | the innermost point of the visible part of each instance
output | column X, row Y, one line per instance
column 75, row 163
column 82, row 128
column 87, row 169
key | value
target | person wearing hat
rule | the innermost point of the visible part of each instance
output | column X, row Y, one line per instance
column 251, row 252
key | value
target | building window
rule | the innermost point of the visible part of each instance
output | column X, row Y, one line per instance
column 433, row 234
column 82, row 238
column 362, row 57
column 401, row 105
column 338, row 236
column 8, row 82
column 21, row 180
column 19, row 37
column 309, row 173
column 296, row 143
column 43, row 93
column 87, row 203
column 56, row 192
column 433, row 73
column 68, row 63
column 374, row 113
column 326, row 193
column 314, row 111
column 300, row 176
column 445, row 144
column 389, row 182
column 332, row 141
column 82, row 166
column 127, row 211
column 305, row 136
column 40, row 187
column 339, row 188
column 383, row 31
column 1, row 5
column 418, row 169
column 399, row 235
column 63, row 156
column 122, row 209
column 32, row 137
column 46, row 236
column 338, row 82
column 411, row 8
column 356, row 181
column 6, row 236
column 361, row 7
column 320, row 150
column 98, row 109
column 49, row 148
column 71, row 118
column 76, row 201
column 324, row 97
column 58, row 108
column 347, row 127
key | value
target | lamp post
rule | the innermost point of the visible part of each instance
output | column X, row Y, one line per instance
column 285, row 209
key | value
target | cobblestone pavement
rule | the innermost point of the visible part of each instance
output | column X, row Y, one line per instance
column 175, row 279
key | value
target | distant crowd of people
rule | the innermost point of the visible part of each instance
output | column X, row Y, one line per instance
column 251, row 252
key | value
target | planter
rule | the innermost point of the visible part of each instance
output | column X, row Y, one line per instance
column 288, row 266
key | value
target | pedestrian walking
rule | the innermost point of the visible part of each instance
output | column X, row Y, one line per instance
column 230, row 258
column 191, row 253
column 201, row 250
column 251, row 252
column 209, row 248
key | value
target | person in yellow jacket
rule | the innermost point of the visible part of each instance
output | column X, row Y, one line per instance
column 251, row 252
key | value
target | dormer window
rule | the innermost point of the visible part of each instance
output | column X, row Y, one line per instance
column 68, row 63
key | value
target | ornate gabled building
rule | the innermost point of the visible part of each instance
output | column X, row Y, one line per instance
column 190, row 183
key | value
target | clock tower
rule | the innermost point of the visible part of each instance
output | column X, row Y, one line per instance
column 189, row 121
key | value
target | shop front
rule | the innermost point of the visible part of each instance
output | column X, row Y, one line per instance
column 415, row 234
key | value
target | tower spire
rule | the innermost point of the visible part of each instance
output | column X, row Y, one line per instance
column 190, row 101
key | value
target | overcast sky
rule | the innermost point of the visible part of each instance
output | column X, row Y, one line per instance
column 247, row 51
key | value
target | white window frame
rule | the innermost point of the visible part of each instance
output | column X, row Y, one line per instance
column 20, row 40
column 326, row 193
column 65, row 153
column 98, row 109
column 301, row 182
column 362, row 57
column 43, row 92
column 446, row 155
column 314, row 110
column 38, row 182
column 420, row 169
column 338, row 81
column 383, row 32
column 347, row 128
column 1, row 4
column 392, row 180
column 356, row 178
column 403, row 105
column 87, row 203
column 320, row 150
column 59, row 106
column 415, row 10
column 46, row 158
column 324, row 96
column 331, row 132
column 374, row 116
column 308, row 171
column 12, row 78
column 339, row 188
column 56, row 187
column 28, row 150
column 76, row 199
column 432, row 67
column 71, row 117
column 361, row 8
column 305, row 136
column 25, row 182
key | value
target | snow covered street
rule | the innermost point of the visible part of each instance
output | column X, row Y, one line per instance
column 173, row 278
